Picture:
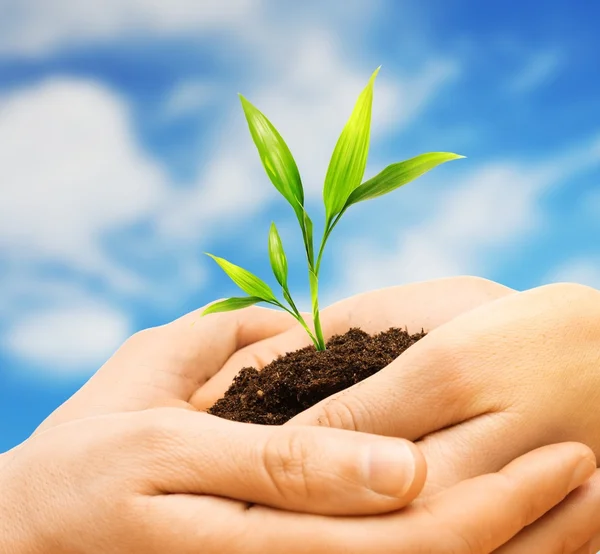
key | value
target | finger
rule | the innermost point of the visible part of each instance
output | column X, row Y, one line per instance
column 474, row 519
column 324, row 471
column 483, row 444
column 567, row 528
column 522, row 493
column 425, row 305
column 165, row 365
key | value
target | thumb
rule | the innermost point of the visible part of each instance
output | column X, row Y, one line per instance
column 296, row 468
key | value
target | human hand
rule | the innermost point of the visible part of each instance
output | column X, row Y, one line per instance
column 504, row 378
column 160, row 480
column 165, row 366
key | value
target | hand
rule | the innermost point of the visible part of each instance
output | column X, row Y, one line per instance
column 160, row 480
column 165, row 366
column 504, row 378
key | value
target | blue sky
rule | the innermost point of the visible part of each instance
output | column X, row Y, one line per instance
column 124, row 155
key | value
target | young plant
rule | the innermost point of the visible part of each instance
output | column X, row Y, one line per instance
column 343, row 188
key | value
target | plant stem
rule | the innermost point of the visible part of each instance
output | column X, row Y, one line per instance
column 295, row 313
column 314, row 283
column 328, row 228
column 314, row 293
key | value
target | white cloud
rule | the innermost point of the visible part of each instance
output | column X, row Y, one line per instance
column 495, row 205
column 538, row 70
column 34, row 27
column 583, row 270
column 68, row 341
column 71, row 170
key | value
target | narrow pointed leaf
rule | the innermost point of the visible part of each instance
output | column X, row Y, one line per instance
column 307, row 234
column 349, row 159
column 231, row 304
column 249, row 283
column 275, row 156
column 398, row 174
column 277, row 257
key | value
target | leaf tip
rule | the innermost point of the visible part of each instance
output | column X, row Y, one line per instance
column 243, row 100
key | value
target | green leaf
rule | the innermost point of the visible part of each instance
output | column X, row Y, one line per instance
column 398, row 174
column 277, row 257
column 248, row 282
column 275, row 156
column 307, row 234
column 349, row 159
column 231, row 304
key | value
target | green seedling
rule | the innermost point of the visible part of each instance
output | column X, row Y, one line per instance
column 343, row 188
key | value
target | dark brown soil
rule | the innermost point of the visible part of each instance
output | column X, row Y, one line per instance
column 298, row 380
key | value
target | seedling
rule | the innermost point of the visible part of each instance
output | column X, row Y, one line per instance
column 343, row 188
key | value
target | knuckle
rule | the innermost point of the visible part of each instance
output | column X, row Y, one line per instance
column 143, row 338
column 571, row 306
column 155, row 426
column 474, row 282
column 529, row 507
column 454, row 539
column 446, row 353
column 343, row 412
column 286, row 462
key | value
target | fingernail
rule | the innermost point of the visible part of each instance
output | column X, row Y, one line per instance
column 584, row 470
column 390, row 468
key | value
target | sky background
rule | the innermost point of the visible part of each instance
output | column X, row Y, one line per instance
column 124, row 155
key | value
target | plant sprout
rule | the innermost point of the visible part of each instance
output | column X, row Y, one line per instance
column 343, row 188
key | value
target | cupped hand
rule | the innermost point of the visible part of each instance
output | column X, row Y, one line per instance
column 162, row 480
column 165, row 366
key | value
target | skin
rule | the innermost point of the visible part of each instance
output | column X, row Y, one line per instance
column 162, row 471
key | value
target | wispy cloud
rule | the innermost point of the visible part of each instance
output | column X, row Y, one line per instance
column 68, row 339
column 190, row 97
column 537, row 70
column 32, row 27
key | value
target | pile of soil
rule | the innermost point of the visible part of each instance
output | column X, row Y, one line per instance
column 298, row 380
